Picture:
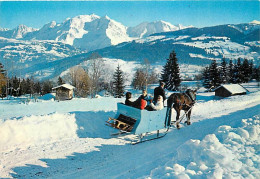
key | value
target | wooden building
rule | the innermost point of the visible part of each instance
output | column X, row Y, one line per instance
column 230, row 90
column 64, row 92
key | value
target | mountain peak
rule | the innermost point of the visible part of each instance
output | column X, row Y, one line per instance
column 255, row 22
column 147, row 28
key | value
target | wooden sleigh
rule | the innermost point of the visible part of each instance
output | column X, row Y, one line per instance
column 147, row 125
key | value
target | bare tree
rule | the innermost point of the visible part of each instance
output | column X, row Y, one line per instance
column 95, row 72
column 81, row 81
column 140, row 80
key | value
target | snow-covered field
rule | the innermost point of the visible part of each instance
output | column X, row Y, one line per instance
column 69, row 139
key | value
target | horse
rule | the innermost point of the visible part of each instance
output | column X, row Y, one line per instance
column 182, row 101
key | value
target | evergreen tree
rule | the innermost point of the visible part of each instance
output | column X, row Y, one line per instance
column 257, row 74
column 235, row 76
column 60, row 81
column 118, row 83
column 230, row 72
column 47, row 87
column 214, row 74
column 251, row 69
column 15, row 86
column 3, row 81
column 206, row 78
column 23, row 87
column 246, row 72
column 239, row 74
column 223, row 71
column 37, row 87
column 171, row 73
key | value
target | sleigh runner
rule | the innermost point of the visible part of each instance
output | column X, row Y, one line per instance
column 147, row 125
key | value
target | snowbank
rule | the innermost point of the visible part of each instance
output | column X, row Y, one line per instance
column 228, row 153
column 36, row 130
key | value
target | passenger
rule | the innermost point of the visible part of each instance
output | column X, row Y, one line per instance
column 158, row 106
column 128, row 102
column 141, row 102
column 159, row 91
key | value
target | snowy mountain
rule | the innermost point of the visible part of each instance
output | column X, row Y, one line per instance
column 193, row 45
column 16, row 33
column 147, row 28
column 88, row 32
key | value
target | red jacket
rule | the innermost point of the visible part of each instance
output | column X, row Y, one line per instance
column 143, row 104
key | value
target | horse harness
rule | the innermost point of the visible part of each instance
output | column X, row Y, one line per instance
column 190, row 96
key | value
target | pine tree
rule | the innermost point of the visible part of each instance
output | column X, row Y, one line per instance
column 47, row 87
column 223, row 71
column 206, row 78
column 118, row 83
column 214, row 74
column 239, row 74
column 23, row 87
column 257, row 74
column 171, row 73
column 3, row 81
column 60, row 81
column 230, row 72
column 246, row 72
column 251, row 69
column 235, row 78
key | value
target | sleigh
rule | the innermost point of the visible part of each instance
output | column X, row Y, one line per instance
column 147, row 125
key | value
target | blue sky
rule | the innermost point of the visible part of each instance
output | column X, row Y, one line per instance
column 197, row 13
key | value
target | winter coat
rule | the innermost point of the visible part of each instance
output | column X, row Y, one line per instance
column 129, row 103
column 143, row 104
column 158, row 106
column 159, row 91
column 140, row 103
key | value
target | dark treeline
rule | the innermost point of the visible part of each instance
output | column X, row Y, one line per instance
column 239, row 71
column 18, row 86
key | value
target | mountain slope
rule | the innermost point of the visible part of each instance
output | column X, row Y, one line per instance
column 193, row 45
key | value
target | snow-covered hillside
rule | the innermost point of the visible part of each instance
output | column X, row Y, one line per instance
column 28, row 58
column 69, row 139
column 193, row 45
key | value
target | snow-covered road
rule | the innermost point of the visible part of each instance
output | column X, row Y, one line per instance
column 75, row 143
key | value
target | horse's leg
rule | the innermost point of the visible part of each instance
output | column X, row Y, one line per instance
column 188, row 118
column 177, row 118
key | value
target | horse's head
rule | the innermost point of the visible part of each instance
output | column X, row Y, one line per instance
column 192, row 93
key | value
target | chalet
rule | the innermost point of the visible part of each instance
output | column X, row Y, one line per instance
column 230, row 90
column 64, row 92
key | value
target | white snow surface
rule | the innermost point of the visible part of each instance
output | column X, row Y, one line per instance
column 69, row 139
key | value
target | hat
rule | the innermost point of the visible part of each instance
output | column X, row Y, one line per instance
column 162, row 83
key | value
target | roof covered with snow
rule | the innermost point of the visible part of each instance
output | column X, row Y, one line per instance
column 68, row 86
column 234, row 88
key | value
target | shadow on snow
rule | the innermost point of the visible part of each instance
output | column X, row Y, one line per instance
column 130, row 161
